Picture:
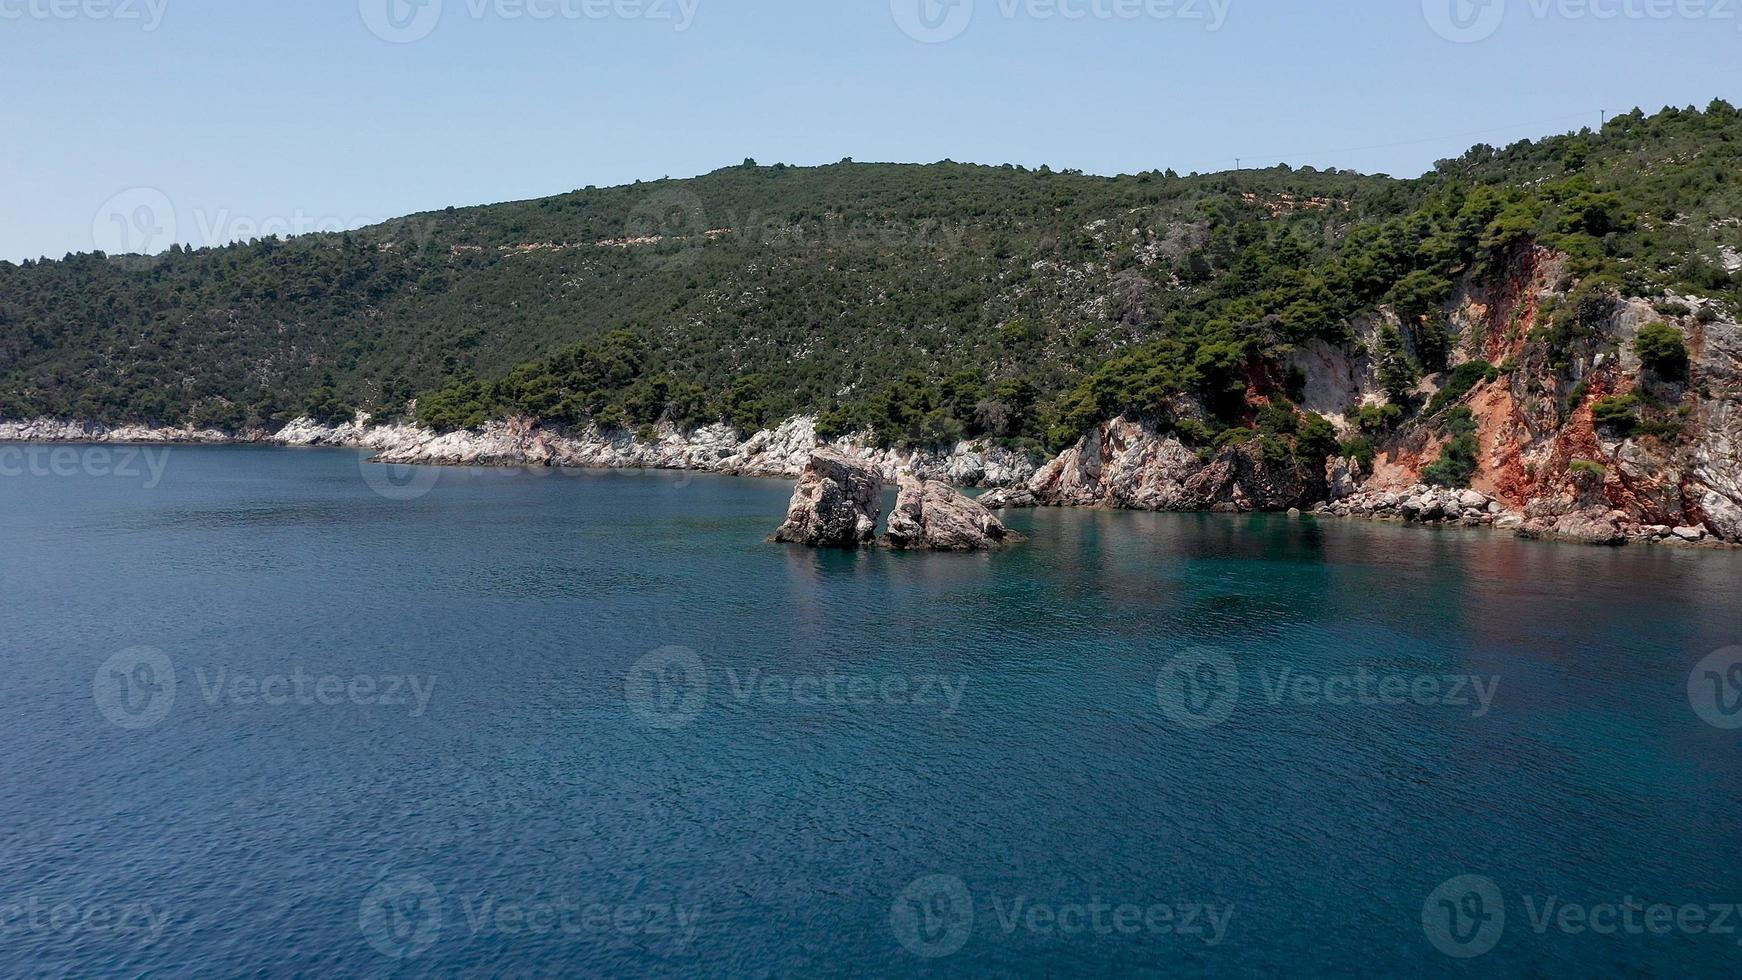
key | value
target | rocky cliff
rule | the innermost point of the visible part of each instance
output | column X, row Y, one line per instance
column 1127, row 465
column 1575, row 437
column 1573, row 431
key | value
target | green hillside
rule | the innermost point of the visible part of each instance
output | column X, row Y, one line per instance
column 926, row 302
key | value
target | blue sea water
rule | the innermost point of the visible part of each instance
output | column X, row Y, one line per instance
column 270, row 714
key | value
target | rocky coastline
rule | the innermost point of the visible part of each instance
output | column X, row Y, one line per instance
column 781, row 452
column 1121, row 464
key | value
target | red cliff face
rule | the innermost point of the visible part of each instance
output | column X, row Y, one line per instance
column 1543, row 464
column 1541, row 452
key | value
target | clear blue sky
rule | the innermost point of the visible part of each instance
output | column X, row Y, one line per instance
column 291, row 113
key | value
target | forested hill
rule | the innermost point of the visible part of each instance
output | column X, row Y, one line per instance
column 924, row 302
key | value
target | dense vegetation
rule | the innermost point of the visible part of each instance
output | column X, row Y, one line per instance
column 923, row 303
column 1641, row 207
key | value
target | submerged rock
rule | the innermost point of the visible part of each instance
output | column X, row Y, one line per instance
column 934, row 516
column 837, row 504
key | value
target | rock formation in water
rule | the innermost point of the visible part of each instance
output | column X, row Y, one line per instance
column 838, row 504
column 931, row 515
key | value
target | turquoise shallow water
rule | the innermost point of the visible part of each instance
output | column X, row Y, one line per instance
column 624, row 736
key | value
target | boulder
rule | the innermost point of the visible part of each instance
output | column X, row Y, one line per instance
column 1016, row 498
column 1691, row 534
column 931, row 515
column 1590, row 527
column 838, row 504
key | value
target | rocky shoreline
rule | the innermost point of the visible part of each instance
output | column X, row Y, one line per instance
column 1120, row 465
column 782, row 452
column 1427, row 505
column 1125, row 465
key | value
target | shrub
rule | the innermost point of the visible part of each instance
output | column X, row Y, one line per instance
column 1193, row 433
column 1585, row 467
column 1374, row 419
column 1360, row 449
column 1617, row 413
column 1457, row 462
column 1317, row 439
column 1576, row 397
column 1278, row 419
column 1663, row 351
